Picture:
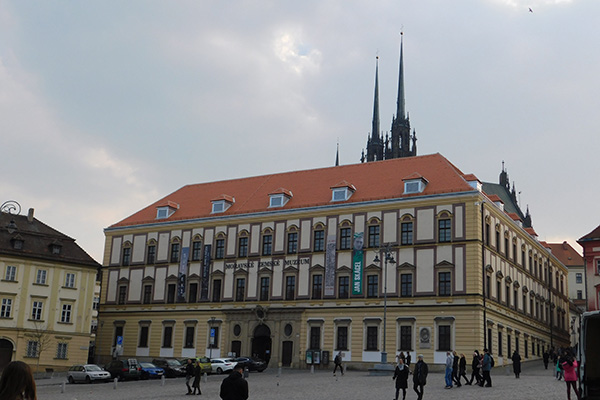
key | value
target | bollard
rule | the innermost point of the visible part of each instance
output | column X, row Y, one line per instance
column 63, row 387
column 115, row 383
column 162, row 380
column 278, row 372
column 205, row 377
column 312, row 369
column 246, row 372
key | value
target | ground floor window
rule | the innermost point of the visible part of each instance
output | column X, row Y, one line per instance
column 61, row 351
column 444, row 338
column 406, row 337
column 372, row 334
column 32, row 348
column 342, row 338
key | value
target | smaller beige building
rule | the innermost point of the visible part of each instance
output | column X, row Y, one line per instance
column 47, row 289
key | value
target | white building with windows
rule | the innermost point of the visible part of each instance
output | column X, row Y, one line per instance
column 294, row 267
column 46, row 295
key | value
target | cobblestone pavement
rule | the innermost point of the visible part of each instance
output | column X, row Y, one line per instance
column 535, row 383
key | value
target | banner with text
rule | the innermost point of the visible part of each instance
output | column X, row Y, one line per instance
column 205, row 272
column 183, row 266
column 330, row 266
column 357, row 264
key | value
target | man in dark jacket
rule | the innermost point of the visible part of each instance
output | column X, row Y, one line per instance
column 189, row 375
column 516, row 359
column 234, row 387
column 420, row 377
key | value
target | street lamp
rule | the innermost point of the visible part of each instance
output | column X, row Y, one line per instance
column 387, row 249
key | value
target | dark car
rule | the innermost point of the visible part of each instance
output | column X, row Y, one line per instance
column 124, row 369
column 172, row 367
column 253, row 364
column 151, row 371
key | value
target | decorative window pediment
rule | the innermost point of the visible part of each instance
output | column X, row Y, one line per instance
column 342, row 191
column 279, row 197
column 222, row 203
column 414, row 183
column 166, row 209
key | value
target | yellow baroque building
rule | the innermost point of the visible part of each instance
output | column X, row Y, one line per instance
column 407, row 254
column 46, row 294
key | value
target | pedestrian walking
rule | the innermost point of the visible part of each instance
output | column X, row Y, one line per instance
column 455, row 361
column 546, row 358
column 420, row 377
column 17, row 382
column 189, row 375
column 337, row 361
column 570, row 371
column 234, row 387
column 401, row 378
column 486, row 367
column 197, row 375
column 559, row 372
column 449, row 364
column 475, row 368
column 462, row 369
column 407, row 359
column 516, row 359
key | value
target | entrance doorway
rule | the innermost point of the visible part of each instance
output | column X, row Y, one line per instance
column 287, row 347
column 6, row 352
column 236, row 348
column 261, row 343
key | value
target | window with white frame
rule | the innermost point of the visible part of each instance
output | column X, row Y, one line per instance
column 578, row 277
column 6, row 308
column 61, row 351
column 445, row 333
column 32, row 349
column 65, row 316
column 341, row 194
column 36, row 310
column 11, row 273
column 371, row 334
column 40, row 278
column 406, row 329
column 70, row 280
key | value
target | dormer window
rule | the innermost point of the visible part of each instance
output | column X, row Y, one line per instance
column 279, row 198
column 342, row 191
column 473, row 182
column 166, row 209
column 222, row 203
column 414, row 183
column 55, row 248
column 17, row 243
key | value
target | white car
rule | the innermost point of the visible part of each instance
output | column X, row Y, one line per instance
column 220, row 365
column 87, row 373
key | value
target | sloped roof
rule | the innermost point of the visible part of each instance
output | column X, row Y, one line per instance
column 593, row 235
column 373, row 181
column 491, row 189
column 566, row 254
column 37, row 239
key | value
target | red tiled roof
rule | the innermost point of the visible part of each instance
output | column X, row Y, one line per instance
column 495, row 198
column 531, row 231
column 226, row 197
column 595, row 234
column 168, row 203
column 514, row 216
column 344, row 184
column 373, row 181
column 566, row 254
column 413, row 176
column 282, row 191
column 471, row 177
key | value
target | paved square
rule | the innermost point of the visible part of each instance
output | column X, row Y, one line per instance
column 535, row 383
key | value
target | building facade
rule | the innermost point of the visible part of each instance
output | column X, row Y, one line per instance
column 576, row 266
column 591, row 256
column 291, row 268
column 46, row 294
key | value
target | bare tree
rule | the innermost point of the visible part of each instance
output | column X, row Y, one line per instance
column 43, row 339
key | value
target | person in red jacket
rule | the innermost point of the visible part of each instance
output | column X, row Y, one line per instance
column 570, row 371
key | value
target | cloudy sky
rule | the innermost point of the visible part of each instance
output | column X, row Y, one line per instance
column 107, row 106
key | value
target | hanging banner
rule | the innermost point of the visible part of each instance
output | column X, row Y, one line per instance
column 205, row 272
column 357, row 264
column 330, row 266
column 183, row 266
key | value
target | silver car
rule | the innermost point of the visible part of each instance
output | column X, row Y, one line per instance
column 87, row 373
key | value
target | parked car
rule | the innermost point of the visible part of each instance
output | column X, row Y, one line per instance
column 221, row 365
column 253, row 364
column 87, row 373
column 124, row 369
column 151, row 371
column 172, row 367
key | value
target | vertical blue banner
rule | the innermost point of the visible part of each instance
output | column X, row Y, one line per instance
column 330, row 266
column 181, row 278
column 357, row 264
column 205, row 272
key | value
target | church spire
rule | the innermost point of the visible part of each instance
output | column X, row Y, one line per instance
column 337, row 155
column 400, row 109
column 375, row 145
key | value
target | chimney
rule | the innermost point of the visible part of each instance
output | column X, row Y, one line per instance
column 565, row 246
column 30, row 215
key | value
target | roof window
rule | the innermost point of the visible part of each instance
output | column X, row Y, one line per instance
column 222, row 203
column 166, row 209
column 342, row 191
column 414, row 183
column 279, row 198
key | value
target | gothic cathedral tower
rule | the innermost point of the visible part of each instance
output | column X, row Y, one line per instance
column 400, row 145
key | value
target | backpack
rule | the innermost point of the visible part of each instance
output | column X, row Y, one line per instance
column 492, row 363
column 338, row 359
